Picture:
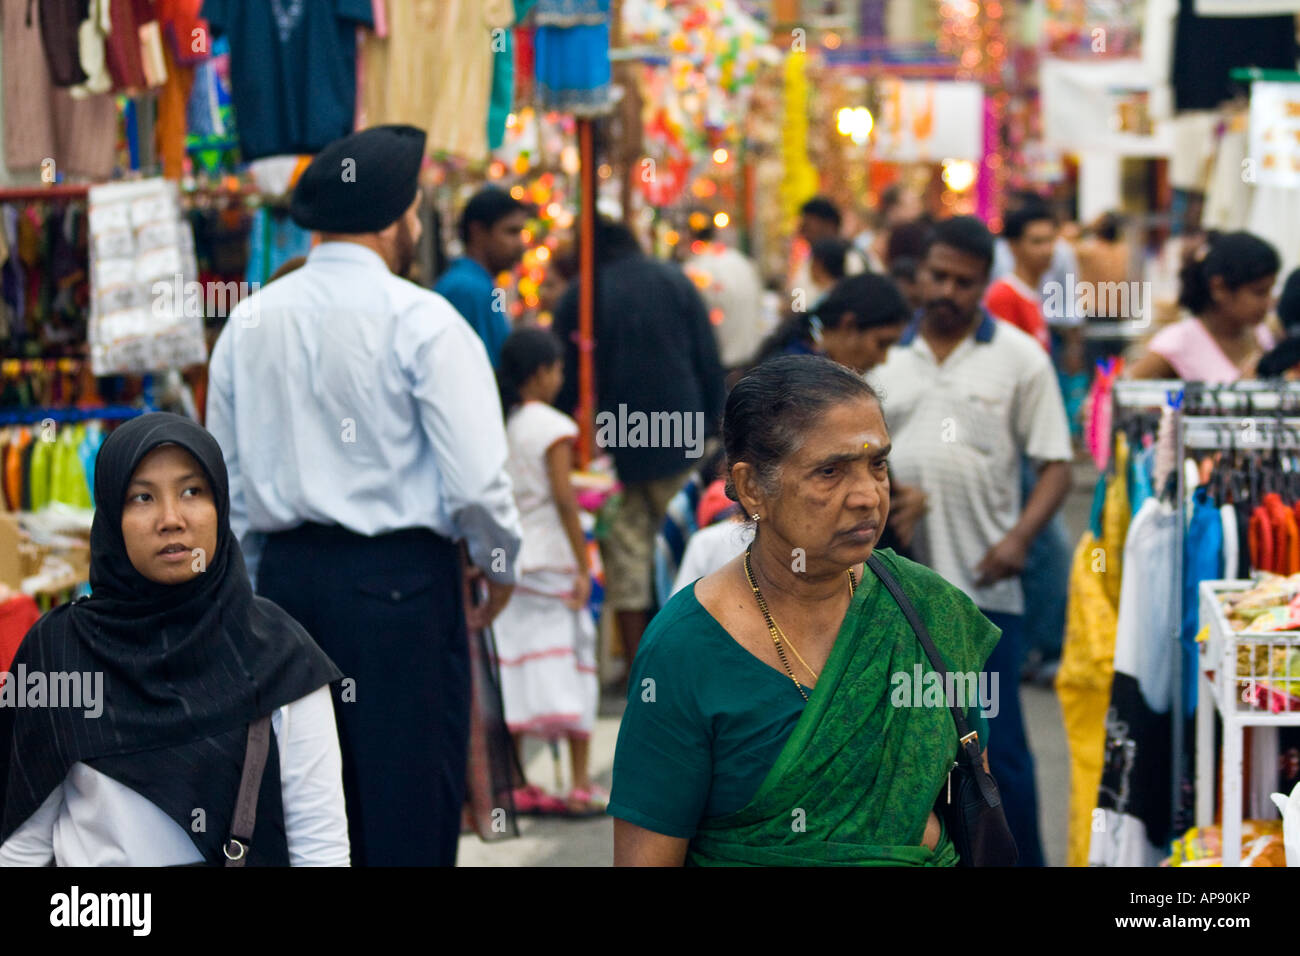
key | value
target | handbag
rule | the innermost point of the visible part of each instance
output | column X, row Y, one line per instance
column 250, row 785
column 972, row 809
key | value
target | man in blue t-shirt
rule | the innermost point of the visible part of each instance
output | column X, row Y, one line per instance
column 491, row 231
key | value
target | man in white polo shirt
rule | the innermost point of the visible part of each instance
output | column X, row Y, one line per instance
column 965, row 397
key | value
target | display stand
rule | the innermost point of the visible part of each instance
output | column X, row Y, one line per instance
column 1237, row 698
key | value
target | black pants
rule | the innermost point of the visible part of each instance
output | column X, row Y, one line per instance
column 388, row 611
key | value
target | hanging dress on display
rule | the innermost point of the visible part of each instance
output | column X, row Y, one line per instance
column 572, row 56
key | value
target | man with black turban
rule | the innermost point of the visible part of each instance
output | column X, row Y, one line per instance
column 360, row 422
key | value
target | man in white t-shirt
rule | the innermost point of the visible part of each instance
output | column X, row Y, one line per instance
column 965, row 397
column 732, row 290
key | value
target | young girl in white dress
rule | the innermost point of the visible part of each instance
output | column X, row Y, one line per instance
column 546, row 639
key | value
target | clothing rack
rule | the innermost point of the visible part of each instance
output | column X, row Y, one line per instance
column 1200, row 431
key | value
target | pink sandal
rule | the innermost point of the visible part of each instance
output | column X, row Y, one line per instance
column 533, row 800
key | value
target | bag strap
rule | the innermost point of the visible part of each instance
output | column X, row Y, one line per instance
column 250, row 786
column 965, row 735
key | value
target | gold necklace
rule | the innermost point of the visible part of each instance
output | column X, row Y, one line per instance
column 776, row 632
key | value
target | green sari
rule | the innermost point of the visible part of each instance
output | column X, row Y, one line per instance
column 858, row 777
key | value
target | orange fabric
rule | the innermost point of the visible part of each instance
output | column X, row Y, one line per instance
column 170, row 126
column 14, row 469
column 1292, row 556
column 1276, row 513
column 1007, row 304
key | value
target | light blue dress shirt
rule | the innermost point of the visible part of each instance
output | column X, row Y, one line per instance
column 343, row 394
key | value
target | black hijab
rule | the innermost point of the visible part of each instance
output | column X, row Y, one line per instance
column 186, row 667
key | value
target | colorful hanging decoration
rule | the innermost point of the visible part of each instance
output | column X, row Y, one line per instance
column 800, row 183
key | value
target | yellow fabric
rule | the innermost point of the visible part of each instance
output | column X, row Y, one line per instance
column 1083, row 685
column 434, row 71
column 1115, row 517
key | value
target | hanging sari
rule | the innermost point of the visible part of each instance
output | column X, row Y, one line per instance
column 856, row 781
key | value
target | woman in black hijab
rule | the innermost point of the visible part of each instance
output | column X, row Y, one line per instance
column 172, row 657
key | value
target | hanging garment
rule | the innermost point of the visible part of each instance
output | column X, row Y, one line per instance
column 1115, row 519
column 42, row 121
column 294, row 71
column 1083, row 686
column 1275, row 217
column 173, row 102
column 1227, row 202
column 1207, row 49
column 571, row 47
column 1231, row 554
column 123, row 50
column 451, row 102
column 38, row 474
column 1202, row 561
column 60, row 21
column 273, row 241
column 1134, row 794
column 503, row 79
column 1140, row 484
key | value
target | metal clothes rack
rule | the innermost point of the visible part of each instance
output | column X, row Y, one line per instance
column 1264, row 427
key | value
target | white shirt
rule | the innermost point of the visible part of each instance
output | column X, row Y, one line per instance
column 92, row 820
column 710, row 548
column 342, row 394
column 532, row 429
column 959, row 431
column 735, row 291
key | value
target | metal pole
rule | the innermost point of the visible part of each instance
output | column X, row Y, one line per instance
column 586, row 291
column 1176, row 708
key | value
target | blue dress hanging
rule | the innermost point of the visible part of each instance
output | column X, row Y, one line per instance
column 572, row 54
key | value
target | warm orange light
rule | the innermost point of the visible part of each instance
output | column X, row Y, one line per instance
column 672, row 237
column 831, row 41
column 517, row 192
column 543, row 253
column 721, row 220
column 720, row 156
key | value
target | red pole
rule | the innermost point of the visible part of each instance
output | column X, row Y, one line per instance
column 586, row 293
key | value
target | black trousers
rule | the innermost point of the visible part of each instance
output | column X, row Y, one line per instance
column 388, row 611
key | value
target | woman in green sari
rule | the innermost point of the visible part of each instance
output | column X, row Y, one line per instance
column 771, row 717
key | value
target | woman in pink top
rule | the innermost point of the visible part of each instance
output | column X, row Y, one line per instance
column 1228, row 289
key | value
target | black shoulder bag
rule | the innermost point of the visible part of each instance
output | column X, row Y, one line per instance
column 972, row 811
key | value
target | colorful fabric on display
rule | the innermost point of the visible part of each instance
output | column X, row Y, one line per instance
column 451, row 102
column 1202, row 561
column 1115, row 519
column 503, row 80
column 293, row 67
column 1207, row 49
column 571, row 47
column 1083, row 686
column 1134, row 791
column 273, row 241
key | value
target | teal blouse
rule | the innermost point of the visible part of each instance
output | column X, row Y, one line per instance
column 705, row 722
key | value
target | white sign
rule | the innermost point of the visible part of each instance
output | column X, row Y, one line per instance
column 1275, row 134
column 930, row 121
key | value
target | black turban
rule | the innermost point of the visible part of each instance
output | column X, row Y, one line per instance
column 360, row 183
